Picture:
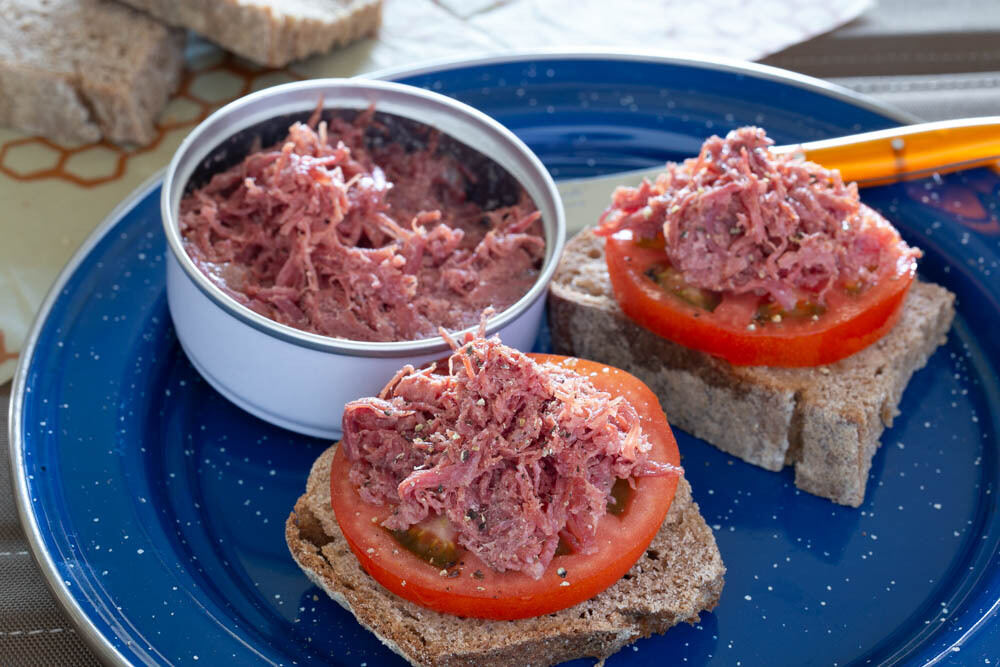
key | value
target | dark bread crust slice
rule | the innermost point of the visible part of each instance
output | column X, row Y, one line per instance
column 680, row 576
column 825, row 421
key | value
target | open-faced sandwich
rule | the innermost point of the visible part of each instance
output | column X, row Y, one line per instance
column 774, row 315
column 502, row 508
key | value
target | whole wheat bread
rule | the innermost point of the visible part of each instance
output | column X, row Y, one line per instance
column 680, row 575
column 271, row 32
column 825, row 421
column 83, row 70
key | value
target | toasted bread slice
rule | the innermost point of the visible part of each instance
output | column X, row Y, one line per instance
column 680, row 576
column 83, row 70
column 826, row 421
column 271, row 32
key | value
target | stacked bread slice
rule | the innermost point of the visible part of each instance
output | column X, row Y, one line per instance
column 83, row 70
column 271, row 33
column 87, row 70
column 680, row 575
column 824, row 421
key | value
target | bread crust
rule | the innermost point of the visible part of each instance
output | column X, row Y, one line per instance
column 106, row 71
column 826, row 421
column 680, row 575
column 271, row 33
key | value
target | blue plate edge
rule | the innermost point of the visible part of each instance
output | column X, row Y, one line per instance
column 54, row 579
column 687, row 58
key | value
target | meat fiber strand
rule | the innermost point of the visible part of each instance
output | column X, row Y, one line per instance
column 741, row 219
column 516, row 454
column 328, row 235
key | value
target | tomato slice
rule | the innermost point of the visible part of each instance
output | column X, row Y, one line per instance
column 728, row 330
column 471, row 588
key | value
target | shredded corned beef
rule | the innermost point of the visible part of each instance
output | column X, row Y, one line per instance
column 336, row 235
column 516, row 454
column 738, row 218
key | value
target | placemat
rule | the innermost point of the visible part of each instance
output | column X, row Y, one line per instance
column 33, row 629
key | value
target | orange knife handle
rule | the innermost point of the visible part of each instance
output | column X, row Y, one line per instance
column 913, row 151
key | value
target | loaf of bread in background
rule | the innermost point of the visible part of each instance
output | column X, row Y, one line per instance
column 826, row 421
column 85, row 70
column 679, row 576
column 271, row 32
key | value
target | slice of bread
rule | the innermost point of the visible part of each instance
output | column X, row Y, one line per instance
column 83, row 70
column 271, row 32
column 680, row 575
column 826, row 421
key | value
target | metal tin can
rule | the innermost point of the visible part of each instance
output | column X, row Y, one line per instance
column 293, row 378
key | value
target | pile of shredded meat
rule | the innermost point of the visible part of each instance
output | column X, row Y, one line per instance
column 336, row 235
column 516, row 454
column 739, row 218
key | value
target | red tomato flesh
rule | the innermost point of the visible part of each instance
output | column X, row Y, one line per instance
column 471, row 588
column 850, row 322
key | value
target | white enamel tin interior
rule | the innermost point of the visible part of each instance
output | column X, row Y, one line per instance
column 300, row 380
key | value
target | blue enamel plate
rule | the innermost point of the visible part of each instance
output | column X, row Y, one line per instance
column 156, row 508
